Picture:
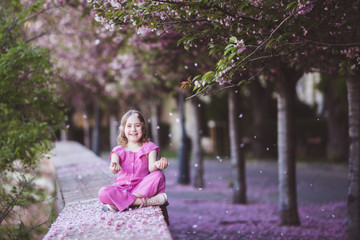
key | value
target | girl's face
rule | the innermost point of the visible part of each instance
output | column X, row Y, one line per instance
column 133, row 129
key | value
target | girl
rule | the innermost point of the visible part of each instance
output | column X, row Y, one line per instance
column 138, row 181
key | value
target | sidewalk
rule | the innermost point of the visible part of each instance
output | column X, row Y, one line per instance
column 80, row 174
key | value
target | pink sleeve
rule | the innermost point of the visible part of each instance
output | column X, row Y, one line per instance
column 148, row 147
column 117, row 150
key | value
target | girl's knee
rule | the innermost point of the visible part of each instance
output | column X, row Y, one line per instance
column 104, row 192
column 158, row 175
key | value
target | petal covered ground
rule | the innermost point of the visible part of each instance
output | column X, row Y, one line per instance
column 207, row 213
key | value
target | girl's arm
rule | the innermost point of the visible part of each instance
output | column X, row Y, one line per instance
column 114, row 164
column 156, row 165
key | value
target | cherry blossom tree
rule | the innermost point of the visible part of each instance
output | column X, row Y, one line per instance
column 87, row 56
column 244, row 32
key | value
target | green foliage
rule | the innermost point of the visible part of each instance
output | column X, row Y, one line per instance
column 31, row 113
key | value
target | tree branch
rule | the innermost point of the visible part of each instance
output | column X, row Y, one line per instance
column 332, row 44
column 39, row 35
column 236, row 85
column 276, row 55
column 11, row 203
column 265, row 41
column 226, row 87
column 38, row 13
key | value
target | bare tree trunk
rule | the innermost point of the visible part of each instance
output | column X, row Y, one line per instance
column 155, row 123
column 63, row 135
column 96, row 128
column 286, row 148
column 260, row 98
column 86, row 131
column 184, row 168
column 113, row 131
column 353, row 87
column 337, row 118
column 197, row 153
column 237, row 156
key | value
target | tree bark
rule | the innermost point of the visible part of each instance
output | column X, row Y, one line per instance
column 96, row 128
column 114, row 126
column 337, row 118
column 260, row 98
column 353, row 87
column 197, row 153
column 86, row 129
column 286, row 147
column 155, row 123
column 237, row 156
column 63, row 135
column 184, row 168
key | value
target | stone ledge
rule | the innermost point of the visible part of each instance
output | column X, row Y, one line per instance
column 86, row 220
column 80, row 174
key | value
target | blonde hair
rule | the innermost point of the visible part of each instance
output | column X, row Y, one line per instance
column 121, row 139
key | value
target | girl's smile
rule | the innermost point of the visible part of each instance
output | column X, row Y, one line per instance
column 133, row 129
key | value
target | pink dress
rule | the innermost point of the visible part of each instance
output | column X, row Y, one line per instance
column 133, row 178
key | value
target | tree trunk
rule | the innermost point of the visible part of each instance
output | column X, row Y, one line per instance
column 337, row 120
column 353, row 87
column 86, row 131
column 96, row 130
column 197, row 153
column 286, row 148
column 114, row 126
column 155, row 123
column 237, row 156
column 184, row 168
column 260, row 98
column 63, row 135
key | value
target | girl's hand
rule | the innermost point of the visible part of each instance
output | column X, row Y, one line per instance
column 115, row 167
column 162, row 163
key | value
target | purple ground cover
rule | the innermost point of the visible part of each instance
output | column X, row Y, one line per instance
column 208, row 213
